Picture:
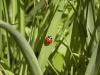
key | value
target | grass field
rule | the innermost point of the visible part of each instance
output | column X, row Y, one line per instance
column 75, row 29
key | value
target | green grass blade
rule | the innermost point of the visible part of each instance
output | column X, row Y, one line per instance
column 0, row 28
column 21, row 16
column 6, row 70
column 93, row 65
column 46, row 50
column 34, row 10
column 14, row 11
column 25, row 48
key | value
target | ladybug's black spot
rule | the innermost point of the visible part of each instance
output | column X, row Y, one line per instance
column 48, row 42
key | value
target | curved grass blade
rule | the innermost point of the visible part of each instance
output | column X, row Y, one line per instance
column 25, row 48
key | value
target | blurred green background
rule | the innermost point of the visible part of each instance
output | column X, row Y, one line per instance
column 73, row 24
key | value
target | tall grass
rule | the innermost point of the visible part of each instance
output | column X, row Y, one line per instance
column 73, row 24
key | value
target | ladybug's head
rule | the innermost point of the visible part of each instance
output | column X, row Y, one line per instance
column 50, row 37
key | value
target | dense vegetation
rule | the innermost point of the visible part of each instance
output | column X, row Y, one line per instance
column 75, row 29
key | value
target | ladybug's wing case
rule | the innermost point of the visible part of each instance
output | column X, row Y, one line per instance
column 48, row 41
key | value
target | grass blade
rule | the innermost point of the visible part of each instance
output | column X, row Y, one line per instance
column 46, row 50
column 25, row 48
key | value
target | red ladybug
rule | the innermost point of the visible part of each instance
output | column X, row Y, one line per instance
column 48, row 40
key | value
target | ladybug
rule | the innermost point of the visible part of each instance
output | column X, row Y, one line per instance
column 48, row 40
